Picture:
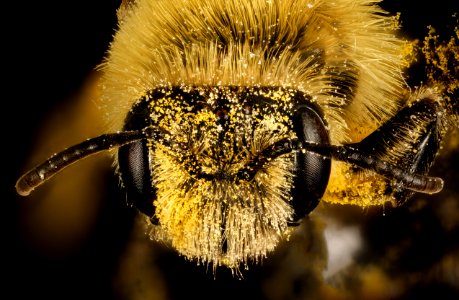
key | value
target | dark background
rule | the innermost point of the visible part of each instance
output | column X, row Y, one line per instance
column 50, row 48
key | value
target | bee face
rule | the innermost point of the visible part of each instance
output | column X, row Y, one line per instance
column 215, row 174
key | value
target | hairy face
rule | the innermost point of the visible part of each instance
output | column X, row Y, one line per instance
column 219, row 199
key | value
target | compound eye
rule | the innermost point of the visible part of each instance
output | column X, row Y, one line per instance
column 133, row 160
column 312, row 171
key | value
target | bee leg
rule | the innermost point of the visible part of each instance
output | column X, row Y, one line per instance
column 135, row 175
column 410, row 140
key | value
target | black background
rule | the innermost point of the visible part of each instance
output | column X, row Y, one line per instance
column 49, row 50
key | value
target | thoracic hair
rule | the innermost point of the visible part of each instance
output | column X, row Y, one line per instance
column 343, row 54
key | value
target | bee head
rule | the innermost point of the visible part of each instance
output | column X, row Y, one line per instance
column 222, row 152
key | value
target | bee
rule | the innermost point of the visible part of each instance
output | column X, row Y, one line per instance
column 231, row 120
